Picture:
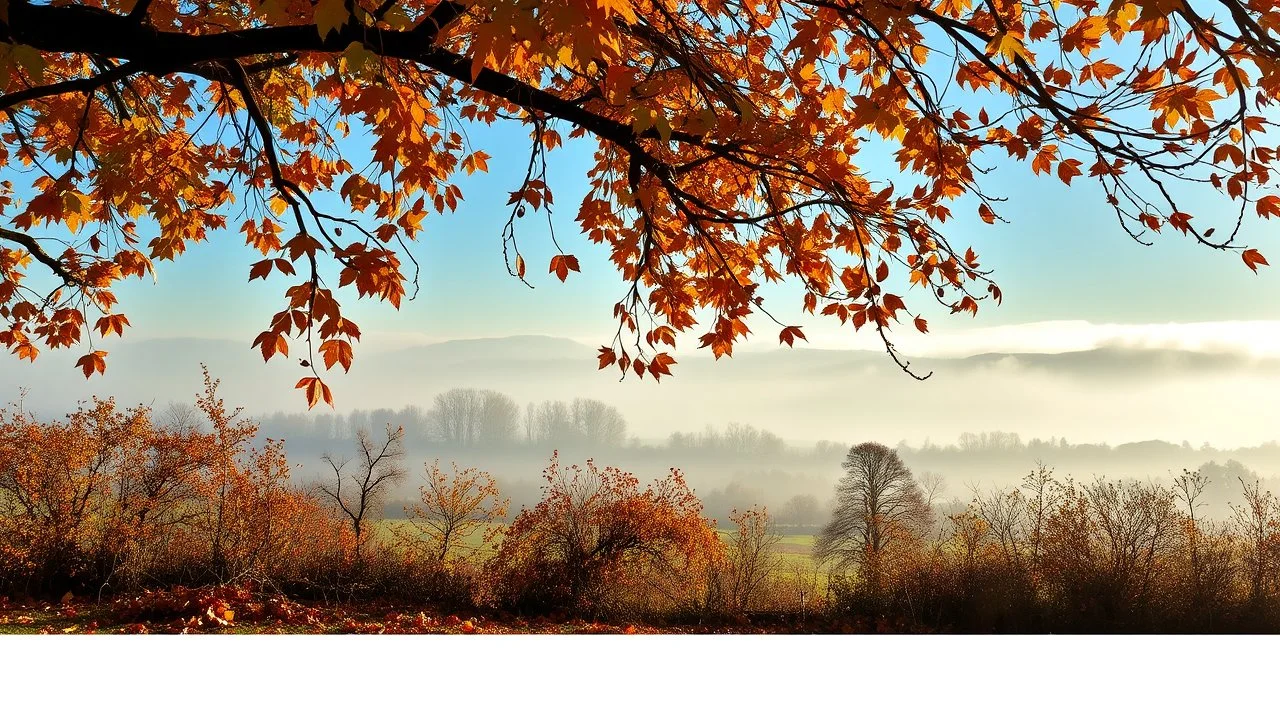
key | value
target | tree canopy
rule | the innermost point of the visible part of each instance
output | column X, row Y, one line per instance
column 728, row 136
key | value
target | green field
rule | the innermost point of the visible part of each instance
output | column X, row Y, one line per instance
column 792, row 550
column 404, row 531
column 794, row 566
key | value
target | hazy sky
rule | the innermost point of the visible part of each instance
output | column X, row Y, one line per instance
column 1061, row 258
column 1072, row 280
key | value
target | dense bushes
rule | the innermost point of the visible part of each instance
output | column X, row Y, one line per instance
column 1105, row 556
column 109, row 499
column 598, row 544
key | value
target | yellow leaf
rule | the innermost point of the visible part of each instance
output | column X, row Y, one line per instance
column 619, row 7
column 397, row 18
column 1010, row 48
column 641, row 119
column 330, row 15
column 664, row 128
column 358, row 58
column 30, row 59
column 273, row 11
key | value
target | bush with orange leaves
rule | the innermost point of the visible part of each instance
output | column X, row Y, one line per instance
column 597, row 543
column 107, row 497
column 53, row 477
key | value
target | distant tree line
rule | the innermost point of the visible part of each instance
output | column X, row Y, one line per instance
column 479, row 418
column 471, row 418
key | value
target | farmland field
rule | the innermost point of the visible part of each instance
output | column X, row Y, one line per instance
column 790, row 549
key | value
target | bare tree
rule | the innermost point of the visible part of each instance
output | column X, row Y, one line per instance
column 752, row 559
column 1188, row 489
column 359, row 493
column 1257, row 521
column 530, row 423
column 455, row 416
column 1043, row 496
column 554, row 424
column 1135, row 526
column 878, row 505
column 1005, row 514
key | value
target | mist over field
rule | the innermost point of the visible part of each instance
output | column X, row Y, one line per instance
column 1122, row 412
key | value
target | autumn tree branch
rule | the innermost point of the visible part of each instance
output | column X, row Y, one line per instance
column 33, row 246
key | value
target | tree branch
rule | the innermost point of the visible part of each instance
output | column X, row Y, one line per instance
column 33, row 247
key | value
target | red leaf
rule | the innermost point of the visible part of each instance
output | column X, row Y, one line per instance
column 260, row 270
column 315, row 390
column 271, row 343
column 607, row 357
column 1253, row 259
column 94, row 362
column 789, row 335
column 1268, row 206
column 562, row 265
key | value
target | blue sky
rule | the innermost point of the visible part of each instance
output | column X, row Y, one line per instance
column 1061, row 257
column 1071, row 279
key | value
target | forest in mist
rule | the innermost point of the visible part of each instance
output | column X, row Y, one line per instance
column 1220, row 396
column 738, row 464
column 507, row 403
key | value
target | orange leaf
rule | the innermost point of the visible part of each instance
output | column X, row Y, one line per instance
column 315, row 390
column 562, row 265
column 1268, row 206
column 108, row 324
column 1068, row 169
column 94, row 362
column 789, row 335
column 659, row 366
column 271, row 343
column 1252, row 258
column 336, row 352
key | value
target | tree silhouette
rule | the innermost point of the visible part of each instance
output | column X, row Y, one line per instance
column 359, row 493
column 878, row 505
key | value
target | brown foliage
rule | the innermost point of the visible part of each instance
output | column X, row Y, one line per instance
column 598, row 543
column 452, row 509
column 108, row 499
